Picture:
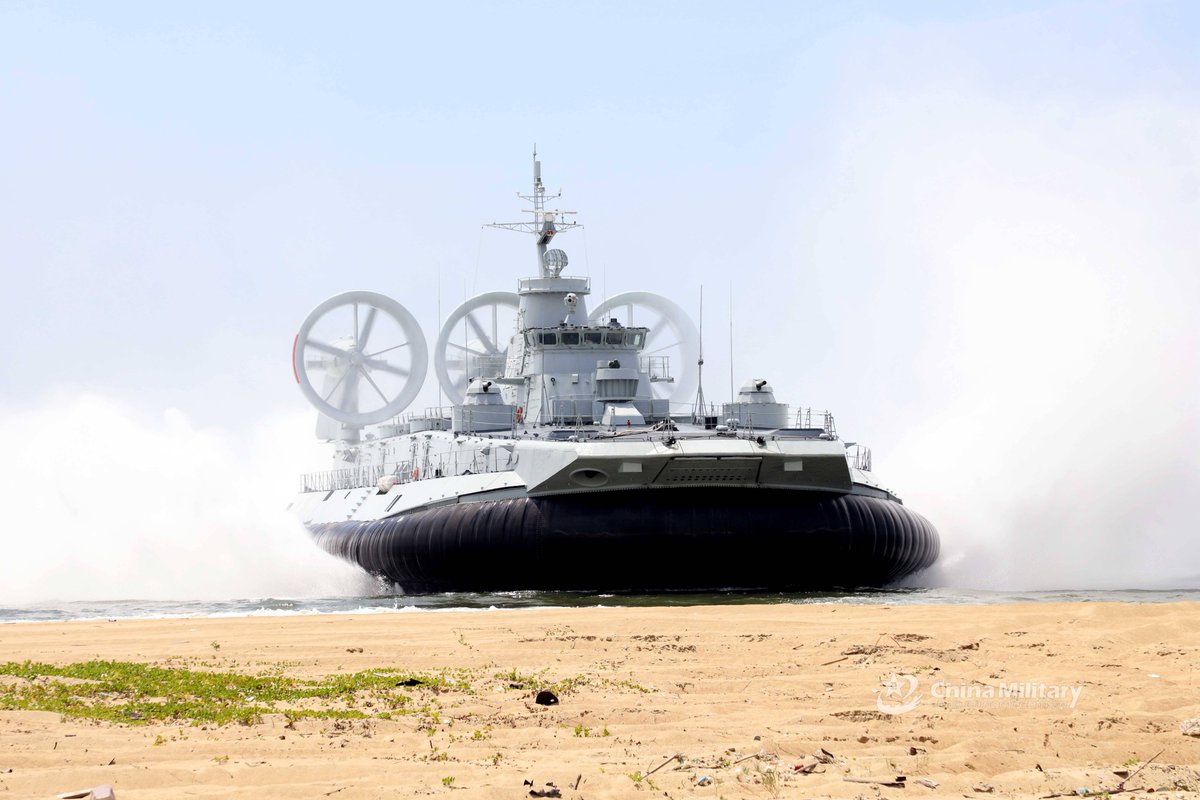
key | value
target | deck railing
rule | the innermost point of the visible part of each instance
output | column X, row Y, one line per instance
column 492, row 455
column 824, row 421
column 859, row 456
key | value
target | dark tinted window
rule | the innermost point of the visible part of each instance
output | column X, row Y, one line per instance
column 549, row 338
column 570, row 337
column 616, row 337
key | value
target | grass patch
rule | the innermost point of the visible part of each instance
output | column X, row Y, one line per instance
column 538, row 680
column 199, row 693
column 121, row 691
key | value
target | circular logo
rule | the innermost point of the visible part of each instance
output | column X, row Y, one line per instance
column 899, row 694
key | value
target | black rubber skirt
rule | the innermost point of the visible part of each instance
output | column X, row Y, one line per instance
column 657, row 540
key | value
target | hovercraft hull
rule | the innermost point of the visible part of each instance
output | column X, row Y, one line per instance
column 679, row 540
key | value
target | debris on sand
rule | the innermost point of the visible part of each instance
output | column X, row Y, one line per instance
column 102, row 792
column 896, row 782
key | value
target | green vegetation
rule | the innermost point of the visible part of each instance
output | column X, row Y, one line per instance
column 517, row 680
column 119, row 691
column 770, row 779
column 638, row 778
column 573, row 683
column 198, row 693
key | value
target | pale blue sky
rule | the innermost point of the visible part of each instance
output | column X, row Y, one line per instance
column 184, row 182
column 964, row 227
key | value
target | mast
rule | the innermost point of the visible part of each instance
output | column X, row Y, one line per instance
column 698, row 410
column 732, row 396
column 546, row 223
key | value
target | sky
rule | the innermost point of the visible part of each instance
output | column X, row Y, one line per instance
column 969, row 230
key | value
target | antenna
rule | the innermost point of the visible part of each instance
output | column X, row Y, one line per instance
column 546, row 222
column 732, row 396
column 441, row 398
column 698, row 407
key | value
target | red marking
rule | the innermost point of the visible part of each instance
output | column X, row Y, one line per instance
column 295, row 342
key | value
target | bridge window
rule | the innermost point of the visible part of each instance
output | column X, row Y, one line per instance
column 570, row 337
column 593, row 337
column 615, row 337
column 549, row 338
column 634, row 339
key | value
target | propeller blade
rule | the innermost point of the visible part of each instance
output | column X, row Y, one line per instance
column 465, row 349
column 341, row 379
column 483, row 337
column 660, row 349
column 325, row 348
column 371, row 381
column 366, row 329
column 384, row 366
column 386, row 350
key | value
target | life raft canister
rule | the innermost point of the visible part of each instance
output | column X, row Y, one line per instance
column 416, row 473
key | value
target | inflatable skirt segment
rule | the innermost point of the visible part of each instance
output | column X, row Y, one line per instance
column 677, row 540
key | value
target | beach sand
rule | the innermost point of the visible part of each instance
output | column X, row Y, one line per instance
column 743, row 694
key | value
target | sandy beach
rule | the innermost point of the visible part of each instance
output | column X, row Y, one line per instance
column 756, row 701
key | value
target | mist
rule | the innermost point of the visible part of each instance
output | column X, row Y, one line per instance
column 1055, row 398
column 108, row 502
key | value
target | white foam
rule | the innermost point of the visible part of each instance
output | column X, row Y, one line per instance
column 105, row 503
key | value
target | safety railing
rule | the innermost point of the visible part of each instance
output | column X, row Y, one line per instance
column 824, row 421
column 859, row 456
column 657, row 367
column 462, row 459
column 337, row 480
column 572, row 283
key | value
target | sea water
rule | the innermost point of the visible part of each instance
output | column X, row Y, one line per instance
column 389, row 603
